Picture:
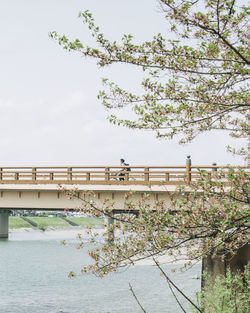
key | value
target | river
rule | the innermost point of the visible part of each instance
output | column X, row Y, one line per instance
column 33, row 279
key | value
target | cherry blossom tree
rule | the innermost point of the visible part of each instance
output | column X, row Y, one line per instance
column 193, row 84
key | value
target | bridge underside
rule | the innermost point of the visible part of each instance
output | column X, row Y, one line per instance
column 52, row 197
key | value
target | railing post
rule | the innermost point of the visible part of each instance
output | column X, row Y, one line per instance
column 69, row 175
column 16, row 176
column 107, row 173
column 126, row 176
column 51, row 176
column 87, row 176
column 214, row 169
column 166, row 177
column 33, row 173
column 1, row 174
column 188, row 169
column 146, row 174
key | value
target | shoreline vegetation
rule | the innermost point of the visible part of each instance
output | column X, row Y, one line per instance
column 19, row 223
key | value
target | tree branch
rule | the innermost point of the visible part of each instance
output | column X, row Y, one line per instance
column 173, row 284
column 134, row 295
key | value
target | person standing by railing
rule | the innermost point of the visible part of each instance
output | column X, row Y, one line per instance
column 124, row 169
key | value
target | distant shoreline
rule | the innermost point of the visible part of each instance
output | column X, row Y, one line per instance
column 55, row 231
column 48, row 229
column 35, row 223
column 71, row 233
column 51, row 233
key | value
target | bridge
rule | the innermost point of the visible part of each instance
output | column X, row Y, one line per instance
column 41, row 188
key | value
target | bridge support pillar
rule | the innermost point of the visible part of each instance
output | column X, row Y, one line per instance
column 4, row 223
column 214, row 267
column 109, row 221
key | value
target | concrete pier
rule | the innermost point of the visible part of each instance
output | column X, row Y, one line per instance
column 4, row 223
column 108, row 222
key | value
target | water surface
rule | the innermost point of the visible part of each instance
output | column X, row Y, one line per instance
column 33, row 279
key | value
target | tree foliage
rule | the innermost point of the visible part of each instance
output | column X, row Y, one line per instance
column 193, row 83
column 207, row 218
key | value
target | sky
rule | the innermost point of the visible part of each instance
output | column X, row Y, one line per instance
column 49, row 111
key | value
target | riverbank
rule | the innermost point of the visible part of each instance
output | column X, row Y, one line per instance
column 71, row 233
column 51, row 233
column 26, row 223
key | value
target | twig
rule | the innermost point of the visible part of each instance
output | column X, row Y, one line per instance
column 172, row 283
column 170, row 287
column 134, row 295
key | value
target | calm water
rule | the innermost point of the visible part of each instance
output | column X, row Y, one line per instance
column 33, row 279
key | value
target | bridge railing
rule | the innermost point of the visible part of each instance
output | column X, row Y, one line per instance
column 106, row 175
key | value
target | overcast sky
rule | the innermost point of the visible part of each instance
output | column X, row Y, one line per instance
column 49, row 112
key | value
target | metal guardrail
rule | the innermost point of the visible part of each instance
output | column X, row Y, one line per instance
column 105, row 175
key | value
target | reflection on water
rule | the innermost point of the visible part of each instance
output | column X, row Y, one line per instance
column 33, row 279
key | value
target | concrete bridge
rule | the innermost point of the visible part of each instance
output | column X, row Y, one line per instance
column 40, row 188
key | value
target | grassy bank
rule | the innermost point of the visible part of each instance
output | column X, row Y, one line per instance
column 43, row 223
column 16, row 222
